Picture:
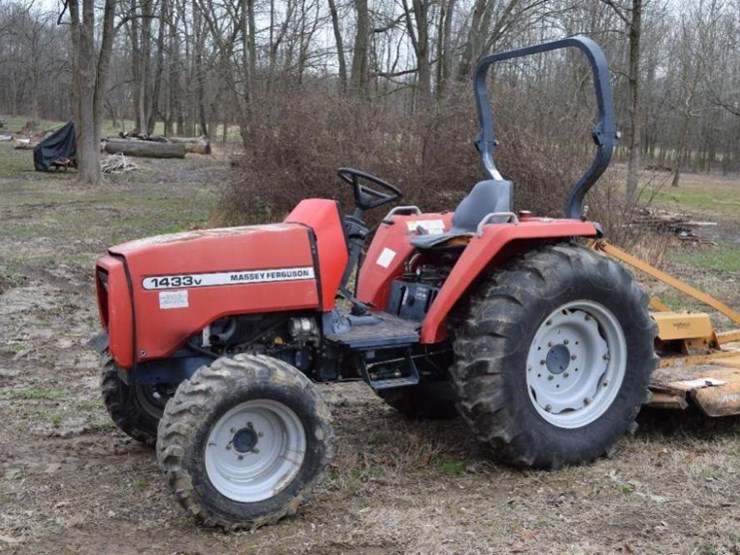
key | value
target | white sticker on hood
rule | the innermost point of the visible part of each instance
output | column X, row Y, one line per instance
column 173, row 299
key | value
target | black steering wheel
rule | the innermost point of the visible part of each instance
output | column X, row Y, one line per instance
column 367, row 198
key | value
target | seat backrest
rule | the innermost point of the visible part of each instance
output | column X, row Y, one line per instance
column 492, row 195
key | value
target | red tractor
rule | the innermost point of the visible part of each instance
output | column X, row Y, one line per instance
column 214, row 339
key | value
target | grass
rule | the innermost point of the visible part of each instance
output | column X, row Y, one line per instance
column 725, row 259
column 36, row 393
column 453, row 467
column 128, row 207
column 707, row 195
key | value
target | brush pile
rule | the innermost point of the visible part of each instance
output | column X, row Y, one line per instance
column 117, row 163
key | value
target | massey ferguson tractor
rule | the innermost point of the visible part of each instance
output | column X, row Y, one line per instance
column 213, row 340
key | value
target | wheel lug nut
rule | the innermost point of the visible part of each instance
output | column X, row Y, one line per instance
column 565, row 342
column 586, row 401
column 261, row 434
column 605, row 384
column 548, row 408
column 542, row 361
column 550, row 377
column 241, row 457
column 606, row 356
column 232, row 430
column 228, row 447
column 572, row 357
column 249, row 425
column 566, row 375
column 255, row 450
column 549, row 343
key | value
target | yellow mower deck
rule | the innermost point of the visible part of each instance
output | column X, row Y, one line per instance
column 697, row 365
column 713, row 386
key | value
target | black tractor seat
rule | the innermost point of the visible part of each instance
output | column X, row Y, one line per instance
column 492, row 195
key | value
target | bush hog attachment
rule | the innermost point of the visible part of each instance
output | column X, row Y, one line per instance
column 214, row 339
column 697, row 364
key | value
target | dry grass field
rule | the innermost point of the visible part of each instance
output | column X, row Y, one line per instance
column 71, row 483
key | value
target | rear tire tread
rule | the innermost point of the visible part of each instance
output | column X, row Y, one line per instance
column 482, row 340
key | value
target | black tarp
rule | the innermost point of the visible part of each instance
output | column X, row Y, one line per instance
column 60, row 144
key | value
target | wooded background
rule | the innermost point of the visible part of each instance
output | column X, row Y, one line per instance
column 213, row 67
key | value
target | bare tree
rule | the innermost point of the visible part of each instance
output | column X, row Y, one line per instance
column 90, row 66
column 631, row 15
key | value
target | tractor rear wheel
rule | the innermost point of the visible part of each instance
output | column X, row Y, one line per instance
column 554, row 359
column 427, row 400
column 244, row 441
column 135, row 410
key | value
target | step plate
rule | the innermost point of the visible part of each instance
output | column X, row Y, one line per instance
column 394, row 382
column 391, row 331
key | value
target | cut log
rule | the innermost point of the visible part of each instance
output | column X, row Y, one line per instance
column 24, row 144
column 195, row 145
column 145, row 149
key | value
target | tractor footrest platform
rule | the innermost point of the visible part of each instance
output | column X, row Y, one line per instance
column 394, row 382
column 376, row 330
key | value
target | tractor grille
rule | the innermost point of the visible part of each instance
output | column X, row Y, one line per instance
column 101, row 286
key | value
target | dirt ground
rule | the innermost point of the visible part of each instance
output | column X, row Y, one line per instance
column 71, row 483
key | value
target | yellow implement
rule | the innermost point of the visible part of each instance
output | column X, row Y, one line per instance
column 697, row 364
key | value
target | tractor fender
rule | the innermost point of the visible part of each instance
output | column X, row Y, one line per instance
column 493, row 247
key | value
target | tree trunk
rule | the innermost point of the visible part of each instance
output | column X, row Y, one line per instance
column 420, row 42
column 681, row 141
column 633, row 166
column 470, row 50
column 444, row 42
column 159, row 70
column 360, row 54
column 145, row 149
column 340, row 47
column 89, row 77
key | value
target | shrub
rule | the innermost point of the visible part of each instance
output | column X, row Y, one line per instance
column 304, row 133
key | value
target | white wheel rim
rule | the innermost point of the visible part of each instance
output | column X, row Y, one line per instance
column 255, row 450
column 576, row 364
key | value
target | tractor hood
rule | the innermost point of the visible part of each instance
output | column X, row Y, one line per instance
column 200, row 238
column 155, row 293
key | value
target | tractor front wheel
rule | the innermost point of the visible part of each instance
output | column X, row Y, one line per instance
column 244, row 441
column 136, row 410
column 554, row 359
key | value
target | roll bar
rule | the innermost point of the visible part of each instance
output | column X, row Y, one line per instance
column 604, row 133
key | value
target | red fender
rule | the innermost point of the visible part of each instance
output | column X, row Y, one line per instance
column 498, row 242
column 387, row 255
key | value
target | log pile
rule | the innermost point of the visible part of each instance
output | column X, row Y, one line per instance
column 678, row 224
column 195, row 145
column 24, row 144
column 145, row 149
